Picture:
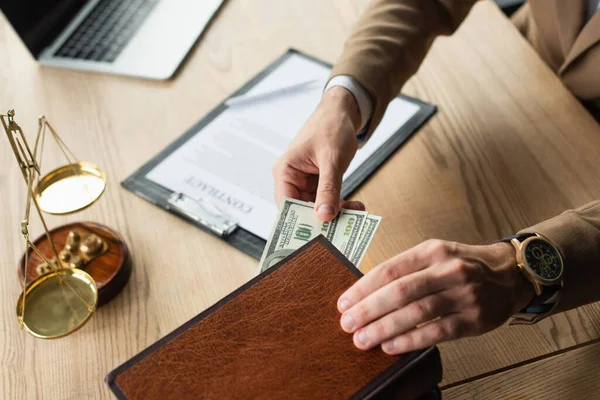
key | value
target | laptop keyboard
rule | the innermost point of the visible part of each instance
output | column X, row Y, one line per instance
column 106, row 30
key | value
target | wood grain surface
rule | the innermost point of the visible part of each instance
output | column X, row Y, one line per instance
column 509, row 147
column 573, row 374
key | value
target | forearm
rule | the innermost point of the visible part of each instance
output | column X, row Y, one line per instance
column 391, row 40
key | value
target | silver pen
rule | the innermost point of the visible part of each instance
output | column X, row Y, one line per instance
column 251, row 98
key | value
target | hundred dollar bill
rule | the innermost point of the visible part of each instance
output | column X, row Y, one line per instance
column 368, row 231
column 350, row 232
column 346, row 229
column 295, row 226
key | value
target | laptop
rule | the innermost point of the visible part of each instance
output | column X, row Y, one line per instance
column 143, row 38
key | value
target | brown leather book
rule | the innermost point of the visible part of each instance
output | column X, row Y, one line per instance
column 276, row 337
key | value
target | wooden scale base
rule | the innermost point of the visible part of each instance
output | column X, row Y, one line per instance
column 110, row 267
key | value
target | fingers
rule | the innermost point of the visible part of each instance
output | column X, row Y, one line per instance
column 285, row 189
column 306, row 196
column 386, row 299
column 353, row 205
column 410, row 261
column 403, row 320
column 293, row 183
column 328, row 193
column 434, row 292
column 400, row 293
column 447, row 328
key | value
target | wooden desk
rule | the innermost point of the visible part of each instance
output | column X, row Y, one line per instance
column 509, row 147
column 571, row 374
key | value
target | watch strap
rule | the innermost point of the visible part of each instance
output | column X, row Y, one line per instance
column 527, row 317
column 544, row 301
column 519, row 236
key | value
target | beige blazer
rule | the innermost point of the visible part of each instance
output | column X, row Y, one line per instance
column 390, row 41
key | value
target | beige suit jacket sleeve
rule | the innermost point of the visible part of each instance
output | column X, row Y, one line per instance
column 386, row 48
column 577, row 235
column 390, row 41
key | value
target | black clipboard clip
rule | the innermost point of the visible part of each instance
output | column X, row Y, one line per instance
column 203, row 212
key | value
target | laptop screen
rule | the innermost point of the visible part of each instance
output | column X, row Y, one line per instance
column 39, row 22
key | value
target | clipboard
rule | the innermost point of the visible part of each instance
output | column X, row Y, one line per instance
column 208, row 218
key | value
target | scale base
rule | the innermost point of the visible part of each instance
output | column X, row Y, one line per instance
column 109, row 265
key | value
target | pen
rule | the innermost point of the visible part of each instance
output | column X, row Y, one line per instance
column 250, row 98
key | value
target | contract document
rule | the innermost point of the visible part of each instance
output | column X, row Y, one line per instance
column 228, row 160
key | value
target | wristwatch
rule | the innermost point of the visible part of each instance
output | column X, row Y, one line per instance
column 541, row 263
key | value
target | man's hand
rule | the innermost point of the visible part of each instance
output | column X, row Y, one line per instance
column 313, row 166
column 434, row 292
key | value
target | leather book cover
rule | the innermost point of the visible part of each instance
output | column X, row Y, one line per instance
column 278, row 336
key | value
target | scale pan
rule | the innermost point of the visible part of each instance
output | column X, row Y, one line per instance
column 70, row 188
column 58, row 303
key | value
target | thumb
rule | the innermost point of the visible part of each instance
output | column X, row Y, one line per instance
column 328, row 194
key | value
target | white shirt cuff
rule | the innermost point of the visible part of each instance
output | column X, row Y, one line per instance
column 362, row 97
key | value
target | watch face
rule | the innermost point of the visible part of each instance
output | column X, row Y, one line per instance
column 543, row 259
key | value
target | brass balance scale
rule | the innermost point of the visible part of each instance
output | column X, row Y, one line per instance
column 71, row 270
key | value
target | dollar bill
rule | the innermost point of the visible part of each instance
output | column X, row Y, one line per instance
column 346, row 230
column 296, row 224
column 368, row 231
